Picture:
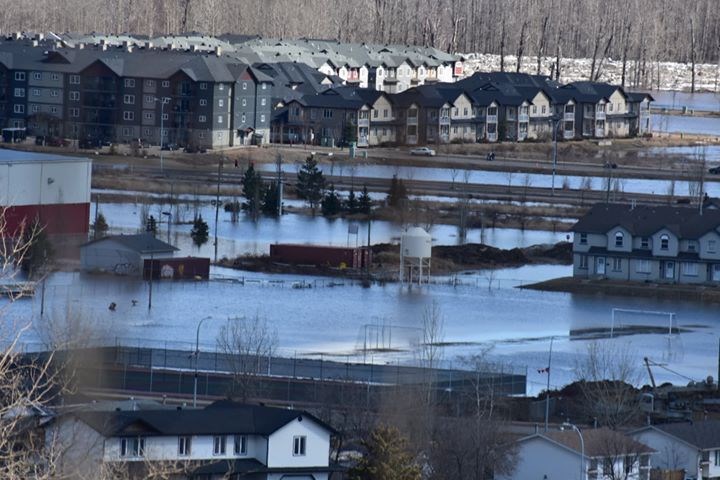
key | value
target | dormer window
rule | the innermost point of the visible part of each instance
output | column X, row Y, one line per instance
column 583, row 239
column 644, row 242
column 664, row 242
column 619, row 239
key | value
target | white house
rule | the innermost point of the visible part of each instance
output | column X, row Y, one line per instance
column 556, row 455
column 692, row 447
column 224, row 440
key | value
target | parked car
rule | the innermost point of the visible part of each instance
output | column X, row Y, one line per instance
column 424, row 151
column 714, row 170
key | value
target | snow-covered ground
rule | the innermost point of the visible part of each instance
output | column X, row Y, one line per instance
column 673, row 76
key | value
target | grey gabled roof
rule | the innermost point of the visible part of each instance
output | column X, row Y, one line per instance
column 600, row 442
column 220, row 418
column 141, row 243
column 643, row 220
column 703, row 435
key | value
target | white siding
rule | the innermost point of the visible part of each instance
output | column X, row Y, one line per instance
column 45, row 183
column 317, row 450
column 671, row 454
column 539, row 459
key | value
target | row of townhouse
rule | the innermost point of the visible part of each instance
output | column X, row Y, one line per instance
column 482, row 108
column 98, row 94
column 648, row 244
column 383, row 67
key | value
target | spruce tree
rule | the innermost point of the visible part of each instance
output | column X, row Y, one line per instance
column 253, row 190
column 386, row 458
column 351, row 204
column 100, row 227
column 397, row 192
column 310, row 183
column 270, row 200
column 331, row 203
column 364, row 202
column 200, row 231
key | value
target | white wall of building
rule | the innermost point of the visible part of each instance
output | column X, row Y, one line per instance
column 44, row 183
column 539, row 459
column 280, row 445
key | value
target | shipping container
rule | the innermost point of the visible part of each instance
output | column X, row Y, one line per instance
column 187, row 268
column 320, row 255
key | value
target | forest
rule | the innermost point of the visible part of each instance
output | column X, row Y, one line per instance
column 641, row 30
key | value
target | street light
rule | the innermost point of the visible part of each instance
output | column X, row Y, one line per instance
column 197, row 354
column 582, row 448
column 556, row 123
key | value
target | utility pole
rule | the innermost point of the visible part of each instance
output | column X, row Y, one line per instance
column 547, row 390
column 217, row 207
column 97, row 210
column 279, row 184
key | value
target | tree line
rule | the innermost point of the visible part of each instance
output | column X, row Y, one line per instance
column 645, row 31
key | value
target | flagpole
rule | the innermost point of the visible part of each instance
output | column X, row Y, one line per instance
column 547, row 391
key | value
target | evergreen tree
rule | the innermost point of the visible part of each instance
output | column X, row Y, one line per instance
column 151, row 225
column 331, row 203
column 253, row 190
column 200, row 231
column 39, row 252
column 364, row 202
column 270, row 200
column 386, row 458
column 397, row 193
column 310, row 183
column 351, row 204
column 100, row 227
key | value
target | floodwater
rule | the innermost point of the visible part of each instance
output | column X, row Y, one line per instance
column 483, row 311
column 685, row 124
column 706, row 102
column 474, row 177
column 255, row 237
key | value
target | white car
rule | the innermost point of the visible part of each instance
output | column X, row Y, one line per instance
column 428, row 152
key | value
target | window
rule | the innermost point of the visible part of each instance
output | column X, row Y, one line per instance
column 203, row 102
column 221, row 86
column 37, row 76
column 150, row 83
column 242, row 118
column 219, row 445
column 711, row 246
column 148, row 132
column 34, row 108
column 299, row 445
column 128, row 115
column 264, row 86
column 220, row 119
column 20, row 76
column 543, row 109
column 534, row 109
column 202, row 119
column 375, row 114
column 262, row 102
column 203, row 86
column 75, row 96
column 75, row 112
column 664, row 242
column 148, row 115
column 629, row 463
column 184, row 445
column 18, row 108
column 642, row 266
column 583, row 262
column 717, row 458
column 619, row 239
column 610, row 107
column 74, row 79
column 689, row 269
column 126, row 131
column 221, row 103
column 327, row 113
column 244, row 102
column 132, row 447
column 166, row 83
column 36, row 92
column 130, row 82
column 244, row 87
column 54, row 93
column 19, row 92
column 240, row 447
column 691, row 247
column 385, row 112
column 644, row 242
column 129, row 99
column 583, row 239
column 53, row 110
column 262, row 118
column 165, row 116
column 617, row 264
column 54, row 76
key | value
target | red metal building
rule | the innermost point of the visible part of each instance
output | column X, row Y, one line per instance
column 320, row 255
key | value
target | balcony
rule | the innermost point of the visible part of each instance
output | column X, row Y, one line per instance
column 523, row 117
column 568, row 134
column 569, row 116
column 363, row 122
column 600, row 133
column 444, row 120
column 412, row 139
column 492, row 137
column 412, row 120
column 599, row 115
column 491, row 119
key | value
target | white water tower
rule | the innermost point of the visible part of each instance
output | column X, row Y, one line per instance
column 415, row 253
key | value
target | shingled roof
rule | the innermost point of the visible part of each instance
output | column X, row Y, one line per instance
column 643, row 220
column 600, row 442
column 142, row 243
column 222, row 417
column 704, row 435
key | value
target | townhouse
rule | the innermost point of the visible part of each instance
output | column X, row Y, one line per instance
column 223, row 440
column 648, row 244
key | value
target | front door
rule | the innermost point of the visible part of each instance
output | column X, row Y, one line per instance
column 669, row 270
column 600, row 269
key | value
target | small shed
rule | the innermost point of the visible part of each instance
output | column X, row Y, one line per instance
column 123, row 254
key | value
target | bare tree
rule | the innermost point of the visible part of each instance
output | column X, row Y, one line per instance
column 248, row 344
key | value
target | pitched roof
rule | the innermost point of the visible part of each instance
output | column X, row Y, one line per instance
column 644, row 220
column 222, row 417
column 601, row 442
column 142, row 243
column 705, row 435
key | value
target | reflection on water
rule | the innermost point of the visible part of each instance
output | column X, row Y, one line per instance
column 685, row 124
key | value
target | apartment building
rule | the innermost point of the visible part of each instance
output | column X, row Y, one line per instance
column 648, row 244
